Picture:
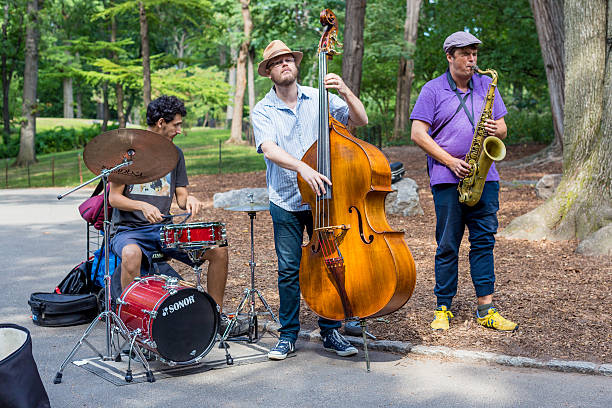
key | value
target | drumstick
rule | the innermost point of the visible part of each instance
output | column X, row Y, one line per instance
column 185, row 283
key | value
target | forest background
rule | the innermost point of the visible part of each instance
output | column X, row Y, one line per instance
column 108, row 59
column 91, row 55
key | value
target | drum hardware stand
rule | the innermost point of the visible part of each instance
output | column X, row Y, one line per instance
column 249, row 294
column 195, row 256
column 107, row 315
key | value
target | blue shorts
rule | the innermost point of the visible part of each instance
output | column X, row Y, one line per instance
column 148, row 239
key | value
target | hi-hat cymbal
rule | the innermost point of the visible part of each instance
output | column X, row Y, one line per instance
column 153, row 155
column 249, row 208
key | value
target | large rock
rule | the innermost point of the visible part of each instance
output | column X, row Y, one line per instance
column 598, row 243
column 236, row 198
column 547, row 185
column 404, row 200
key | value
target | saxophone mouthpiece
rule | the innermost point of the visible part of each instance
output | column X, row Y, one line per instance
column 475, row 68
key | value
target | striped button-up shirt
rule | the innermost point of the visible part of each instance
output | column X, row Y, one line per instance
column 294, row 131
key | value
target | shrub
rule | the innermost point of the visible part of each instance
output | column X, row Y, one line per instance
column 58, row 139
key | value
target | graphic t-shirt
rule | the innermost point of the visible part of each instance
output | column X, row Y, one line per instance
column 159, row 193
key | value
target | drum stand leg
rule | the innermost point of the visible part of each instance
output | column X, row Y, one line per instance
column 122, row 329
column 249, row 295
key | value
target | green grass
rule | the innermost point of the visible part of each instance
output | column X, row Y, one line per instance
column 50, row 123
column 200, row 146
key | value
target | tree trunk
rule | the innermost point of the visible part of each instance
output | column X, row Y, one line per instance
column 105, row 109
column 68, row 98
column 181, row 46
column 405, row 73
column 236, row 132
column 251, row 80
column 79, row 104
column 27, row 152
column 6, row 86
column 582, row 204
column 118, row 86
column 146, row 63
column 352, row 59
column 229, row 113
column 548, row 16
column 6, row 74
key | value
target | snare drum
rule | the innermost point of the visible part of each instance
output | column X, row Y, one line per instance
column 176, row 322
column 195, row 235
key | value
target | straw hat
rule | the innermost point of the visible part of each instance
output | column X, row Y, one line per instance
column 274, row 49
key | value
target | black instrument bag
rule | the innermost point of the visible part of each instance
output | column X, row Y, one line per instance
column 52, row 309
column 397, row 171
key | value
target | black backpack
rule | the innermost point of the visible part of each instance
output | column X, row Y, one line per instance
column 72, row 302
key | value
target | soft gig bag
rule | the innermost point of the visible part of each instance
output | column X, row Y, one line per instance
column 20, row 383
column 92, row 209
column 52, row 309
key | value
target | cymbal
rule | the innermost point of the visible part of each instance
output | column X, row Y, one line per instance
column 249, row 208
column 153, row 156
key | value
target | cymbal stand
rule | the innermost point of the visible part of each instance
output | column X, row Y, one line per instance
column 249, row 295
column 108, row 314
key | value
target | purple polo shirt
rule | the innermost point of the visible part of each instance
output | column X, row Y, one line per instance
column 438, row 102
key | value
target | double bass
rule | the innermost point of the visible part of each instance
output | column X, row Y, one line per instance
column 354, row 265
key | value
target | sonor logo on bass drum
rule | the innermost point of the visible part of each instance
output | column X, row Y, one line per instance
column 178, row 305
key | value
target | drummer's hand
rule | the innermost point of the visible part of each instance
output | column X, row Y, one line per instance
column 315, row 180
column 193, row 205
column 151, row 213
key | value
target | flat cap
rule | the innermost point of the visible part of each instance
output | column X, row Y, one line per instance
column 460, row 39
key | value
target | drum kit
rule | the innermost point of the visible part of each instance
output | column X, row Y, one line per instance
column 168, row 319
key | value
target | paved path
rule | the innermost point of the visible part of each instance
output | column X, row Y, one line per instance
column 42, row 238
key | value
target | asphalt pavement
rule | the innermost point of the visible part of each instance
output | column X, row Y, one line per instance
column 42, row 238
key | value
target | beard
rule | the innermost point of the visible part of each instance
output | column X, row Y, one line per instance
column 285, row 80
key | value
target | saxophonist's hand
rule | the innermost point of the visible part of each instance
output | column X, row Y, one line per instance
column 491, row 127
column 459, row 167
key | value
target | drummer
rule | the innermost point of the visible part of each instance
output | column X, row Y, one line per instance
column 139, row 209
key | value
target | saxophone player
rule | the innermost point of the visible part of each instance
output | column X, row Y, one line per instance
column 444, row 119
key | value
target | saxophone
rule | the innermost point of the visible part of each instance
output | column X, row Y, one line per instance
column 483, row 151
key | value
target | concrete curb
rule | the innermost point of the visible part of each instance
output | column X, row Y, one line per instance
column 401, row 347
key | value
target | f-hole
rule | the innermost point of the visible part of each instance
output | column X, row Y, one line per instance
column 371, row 237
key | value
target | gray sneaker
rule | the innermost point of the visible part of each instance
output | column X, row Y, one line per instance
column 280, row 351
column 334, row 341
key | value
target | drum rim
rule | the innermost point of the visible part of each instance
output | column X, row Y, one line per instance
column 192, row 224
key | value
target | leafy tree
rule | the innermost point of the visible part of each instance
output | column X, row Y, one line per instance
column 146, row 10
column 352, row 59
column 548, row 15
column 11, row 54
column 202, row 89
column 241, row 71
column 581, row 206
column 405, row 73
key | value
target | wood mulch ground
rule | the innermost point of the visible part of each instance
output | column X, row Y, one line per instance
column 560, row 298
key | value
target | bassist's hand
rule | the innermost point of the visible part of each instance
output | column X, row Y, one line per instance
column 315, row 180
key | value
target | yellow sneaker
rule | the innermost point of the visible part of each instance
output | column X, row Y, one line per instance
column 441, row 318
column 496, row 321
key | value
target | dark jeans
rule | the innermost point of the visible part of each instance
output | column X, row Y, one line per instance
column 451, row 219
column 288, row 234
